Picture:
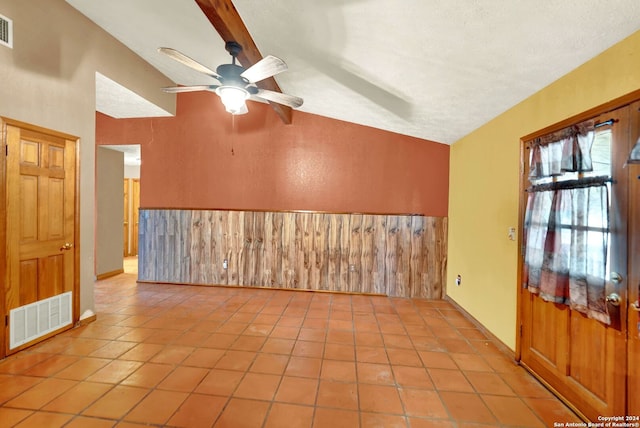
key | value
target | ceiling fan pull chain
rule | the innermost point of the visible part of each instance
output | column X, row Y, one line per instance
column 233, row 129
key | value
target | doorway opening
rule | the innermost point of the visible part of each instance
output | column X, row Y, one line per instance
column 118, row 187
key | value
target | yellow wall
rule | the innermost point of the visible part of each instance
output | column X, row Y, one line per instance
column 484, row 184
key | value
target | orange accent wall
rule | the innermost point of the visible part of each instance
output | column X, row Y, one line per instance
column 315, row 164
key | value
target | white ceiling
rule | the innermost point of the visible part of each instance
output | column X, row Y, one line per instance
column 433, row 69
column 131, row 152
column 119, row 102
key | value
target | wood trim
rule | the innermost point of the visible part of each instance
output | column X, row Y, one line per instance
column 109, row 274
column 86, row 321
column 36, row 128
column 304, row 290
column 586, row 115
column 227, row 21
column 3, row 238
column 76, row 245
column 520, row 241
column 288, row 211
column 633, row 317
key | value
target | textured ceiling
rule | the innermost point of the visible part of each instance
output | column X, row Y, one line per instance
column 431, row 69
column 119, row 102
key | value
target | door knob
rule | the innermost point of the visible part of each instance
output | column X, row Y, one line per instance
column 66, row 246
column 616, row 278
column 636, row 305
column 614, row 299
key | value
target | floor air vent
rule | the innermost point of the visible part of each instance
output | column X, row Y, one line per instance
column 6, row 31
column 34, row 320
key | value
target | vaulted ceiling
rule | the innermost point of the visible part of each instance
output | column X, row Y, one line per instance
column 432, row 69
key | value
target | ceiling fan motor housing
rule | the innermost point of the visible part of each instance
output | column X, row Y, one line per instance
column 234, row 48
column 230, row 74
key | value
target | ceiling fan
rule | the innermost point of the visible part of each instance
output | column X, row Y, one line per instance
column 237, row 84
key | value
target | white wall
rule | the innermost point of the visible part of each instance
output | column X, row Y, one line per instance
column 132, row 171
column 110, row 211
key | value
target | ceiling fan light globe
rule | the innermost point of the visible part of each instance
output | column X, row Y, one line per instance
column 233, row 98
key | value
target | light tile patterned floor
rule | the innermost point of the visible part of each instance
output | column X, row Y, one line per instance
column 170, row 355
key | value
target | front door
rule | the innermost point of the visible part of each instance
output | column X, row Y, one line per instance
column 583, row 359
column 40, row 227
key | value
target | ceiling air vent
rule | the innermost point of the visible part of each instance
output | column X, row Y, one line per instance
column 6, row 32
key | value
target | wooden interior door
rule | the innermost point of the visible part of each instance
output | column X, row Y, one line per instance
column 633, row 359
column 126, row 218
column 40, row 215
column 135, row 207
column 583, row 359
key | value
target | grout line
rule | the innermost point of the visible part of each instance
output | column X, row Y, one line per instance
column 249, row 307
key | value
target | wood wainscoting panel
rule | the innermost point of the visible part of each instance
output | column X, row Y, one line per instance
column 396, row 255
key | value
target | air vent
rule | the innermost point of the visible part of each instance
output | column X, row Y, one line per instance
column 37, row 319
column 6, row 32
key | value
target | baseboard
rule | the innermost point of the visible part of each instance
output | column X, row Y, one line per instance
column 109, row 274
column 256, row 287
column 492, row 337
column 87, row 320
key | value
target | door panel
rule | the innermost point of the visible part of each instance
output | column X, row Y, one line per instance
column 51, row 276
column 588, row 368
column 29, row 281
column 127, row 220
column 583, row 359
column 40, row 216
column 135, row 207
column 546, row 343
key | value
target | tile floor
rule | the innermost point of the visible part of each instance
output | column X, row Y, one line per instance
column 183, row 356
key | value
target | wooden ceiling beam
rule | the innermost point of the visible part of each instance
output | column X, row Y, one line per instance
column 226, row 20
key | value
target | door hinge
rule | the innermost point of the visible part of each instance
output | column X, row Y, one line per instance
column 520, row 330
column 6, row 320
column 6, row 150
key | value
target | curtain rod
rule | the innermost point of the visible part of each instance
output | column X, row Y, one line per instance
column 606, row 122
column 570, row 184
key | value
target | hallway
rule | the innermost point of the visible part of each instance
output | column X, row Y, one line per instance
column 169, row 355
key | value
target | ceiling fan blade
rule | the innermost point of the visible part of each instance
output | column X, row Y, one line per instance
column 182, row 58
column 266, row 67
column 280, row 98
column 178, row 89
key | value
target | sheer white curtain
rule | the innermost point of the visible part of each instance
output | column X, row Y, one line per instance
column 566, row 223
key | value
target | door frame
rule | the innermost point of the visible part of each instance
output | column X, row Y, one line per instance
column 4, row 122
column 633, row 317
column 586, row 115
